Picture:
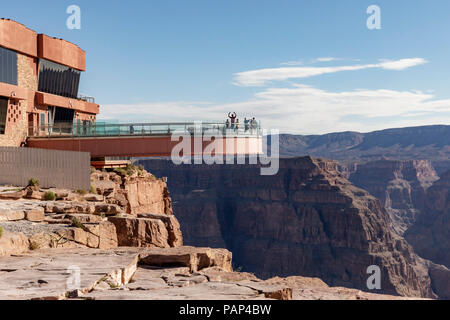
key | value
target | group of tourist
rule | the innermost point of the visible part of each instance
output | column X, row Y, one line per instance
column 233, row 122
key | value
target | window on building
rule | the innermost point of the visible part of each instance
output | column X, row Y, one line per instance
column 8, row 66
column 42, row 117
column 3, row 113
column 58, row 79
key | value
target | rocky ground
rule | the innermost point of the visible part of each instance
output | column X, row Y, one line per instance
column 185, row 273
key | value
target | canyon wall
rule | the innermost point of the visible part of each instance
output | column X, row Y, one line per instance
column 430, row 234
column 307, row 220
column 399, row 185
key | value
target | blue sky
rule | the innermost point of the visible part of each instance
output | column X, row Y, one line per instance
column 183, row 60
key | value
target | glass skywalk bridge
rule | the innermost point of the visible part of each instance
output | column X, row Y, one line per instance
column 103, row 129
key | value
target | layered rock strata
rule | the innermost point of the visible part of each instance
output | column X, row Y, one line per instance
column 307, row 220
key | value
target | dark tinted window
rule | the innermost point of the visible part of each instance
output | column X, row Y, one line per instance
column 8, row 66
column 3, row 113
column 58, row 79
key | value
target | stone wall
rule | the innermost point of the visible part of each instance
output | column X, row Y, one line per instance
column 27, row 72
column 16, row 120
column 15, row 131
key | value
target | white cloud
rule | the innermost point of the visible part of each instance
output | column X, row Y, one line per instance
column 304, row 109
column 401, row 64
column 261, row 77
column 312, row 61
column 292, row 63
column 326, row 59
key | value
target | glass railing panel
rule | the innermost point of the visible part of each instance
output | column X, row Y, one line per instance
column 100, row 129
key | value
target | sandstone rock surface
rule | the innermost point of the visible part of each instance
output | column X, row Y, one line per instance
column 137, row 192
column 148, row 230
column 78, row 218
column 129, row 274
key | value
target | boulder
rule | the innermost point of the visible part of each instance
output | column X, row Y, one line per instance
column 35, row 215
column 93, row 198
column 140, row 232
column 11, row 215
column 270, row 291
column 13, row 243
column 84, row 218
column 172, row 226
column 35, row 195
column 107, row 235
column 52, row 220
column 86, row 237
column 194, row 258
column 12, row 195
column 107, row 209
column 93, row 235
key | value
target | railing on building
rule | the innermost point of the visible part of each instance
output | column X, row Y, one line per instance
column 86, row 98
column 98, row 129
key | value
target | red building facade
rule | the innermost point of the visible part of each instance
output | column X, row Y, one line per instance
column 39, row 80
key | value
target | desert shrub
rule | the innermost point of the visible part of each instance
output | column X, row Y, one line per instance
column 49, row 196
column 140, row 169
column 82, row 192
column 93, row 189
column 120, row 171
column 34, row 245
column 1, row 231
column 33, row 182
column 78, row 224
column 130, row 169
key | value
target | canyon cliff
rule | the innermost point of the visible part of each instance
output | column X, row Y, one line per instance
column 399, row 185
column 307, row 220
column 430, row 234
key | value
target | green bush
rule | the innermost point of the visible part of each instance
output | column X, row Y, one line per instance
column 120, row 171
column 1, row 231
column 93, row 190
column 140, row 169
column 49, row 196
column 130, row 169
column 33, row 182
column 77, row 224
column 34, row 245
